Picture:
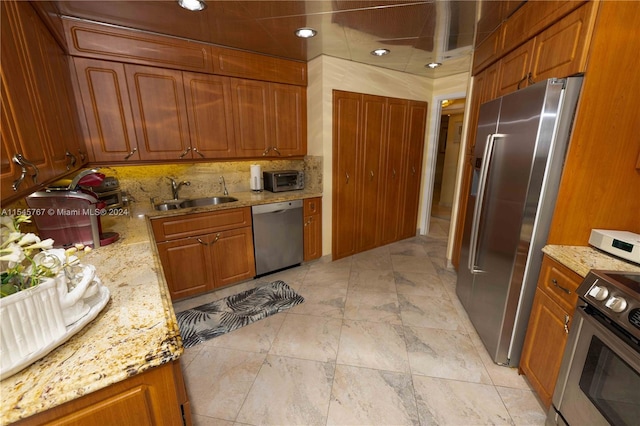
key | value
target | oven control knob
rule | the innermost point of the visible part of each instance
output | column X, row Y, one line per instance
column 616, row 304
column 599, row 293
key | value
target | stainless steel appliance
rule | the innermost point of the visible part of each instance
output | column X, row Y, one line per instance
column 70, row 213
column 521, row 143
column 283, row 180
column 277, row 235
column 599, row 380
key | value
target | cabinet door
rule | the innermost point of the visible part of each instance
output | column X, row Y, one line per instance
column 392, row 181
column 288, row 119
column 210, row 114
column 232, row 256
column 515, row 69
column 19, row 98
column 159, row 112
column 413, row 167
column 186, row 266
column 544, row 345
column 347, row 109
column 50, row 76
column 105, row 101
column 369, row 171
column 312, row 234
column 251, row 117
column 562, row 49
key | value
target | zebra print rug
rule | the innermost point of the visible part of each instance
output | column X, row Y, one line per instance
column 222, row 316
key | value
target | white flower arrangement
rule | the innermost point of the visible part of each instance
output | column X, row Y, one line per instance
column 24, row 258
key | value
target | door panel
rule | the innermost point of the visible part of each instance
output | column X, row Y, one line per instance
column 159, row 112
column 251, row 115
column 373, row 126
column 210, row 114
column 346, row 115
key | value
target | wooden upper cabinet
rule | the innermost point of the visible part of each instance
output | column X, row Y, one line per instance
column 251, row 116
column 159, row 112
column 110, row 132
column 562, row 49
column 210, row 113
column 236, row 63
column 40, row 126
column 270, row 119
column 514, row 69
column 288, row 106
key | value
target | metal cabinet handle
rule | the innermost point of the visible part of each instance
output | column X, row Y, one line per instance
column 82, row 156
column 393, row 173
column 413, row 170
column 276, row 150
column 185, row 152
column 24, row 163
column 526, row 78
column 266, row 151
column 131, row 153
column 555, row 284
column 198, row 152
column 216, row 239
column 347, row 175
column 23, row 172
column 370, row 174
column 566, row 324
column 72, row 160
column 202, row 242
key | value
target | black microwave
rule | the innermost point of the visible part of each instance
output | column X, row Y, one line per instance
column 283, row 180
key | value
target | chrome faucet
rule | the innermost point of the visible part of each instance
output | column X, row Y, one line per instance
column 224, row 185
column 175, row 187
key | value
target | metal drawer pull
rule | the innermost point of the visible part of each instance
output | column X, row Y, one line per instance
column 555, row 283
column 185, row 152
column 217, row 238
column 277, row 152
column 202, row 242
column 131, row 153
column 266, row 151
column 198, row 152
column 566, row 324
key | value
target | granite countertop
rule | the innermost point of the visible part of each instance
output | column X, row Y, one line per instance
column 581, row 259
column 137, row 330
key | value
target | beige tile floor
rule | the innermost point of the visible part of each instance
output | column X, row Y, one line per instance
column 380, row 339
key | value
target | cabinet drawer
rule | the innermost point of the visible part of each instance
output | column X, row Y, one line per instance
column 559, row 283
column 171, row 228
column 312, row 206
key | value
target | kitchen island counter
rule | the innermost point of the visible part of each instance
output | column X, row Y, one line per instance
column 136, row 331
column 581, row 259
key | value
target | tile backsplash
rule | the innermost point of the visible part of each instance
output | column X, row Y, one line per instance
column 142, row 182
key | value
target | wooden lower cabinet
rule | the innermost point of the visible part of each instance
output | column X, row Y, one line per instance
column 549, row 326
column 203, row 251
column 312, row 233
column 156, row 397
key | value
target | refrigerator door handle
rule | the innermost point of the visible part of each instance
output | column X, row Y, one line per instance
column 477, row 211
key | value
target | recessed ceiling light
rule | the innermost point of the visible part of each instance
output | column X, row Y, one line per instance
column 306, row 32
column 193, row 5
column 380, row 52
column 433, row 65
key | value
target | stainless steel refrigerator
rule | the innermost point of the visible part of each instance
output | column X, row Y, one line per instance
column 521, row 142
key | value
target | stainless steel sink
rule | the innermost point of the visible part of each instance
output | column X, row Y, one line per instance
column 207, row 201
column 196, row 202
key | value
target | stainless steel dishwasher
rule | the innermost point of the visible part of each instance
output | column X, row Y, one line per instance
column 277, row 235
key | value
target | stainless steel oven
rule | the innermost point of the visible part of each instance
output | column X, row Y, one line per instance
column 599, row 381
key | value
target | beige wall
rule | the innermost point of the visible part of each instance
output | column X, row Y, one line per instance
column 328, row 73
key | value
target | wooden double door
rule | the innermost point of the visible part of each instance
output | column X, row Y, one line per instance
column 377, row 163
